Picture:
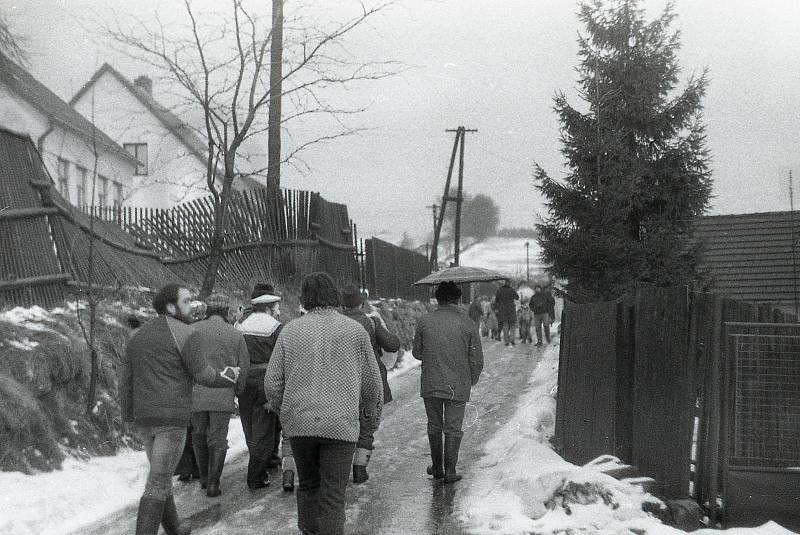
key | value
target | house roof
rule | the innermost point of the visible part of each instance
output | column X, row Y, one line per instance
column 23, row 84
column 753, row 257
column 185, row 134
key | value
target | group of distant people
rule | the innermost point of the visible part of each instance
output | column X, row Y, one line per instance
column 310, row 393
column 498, row 317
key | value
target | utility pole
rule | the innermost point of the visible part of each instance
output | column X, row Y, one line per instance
column 458, row 147
column 527, row 262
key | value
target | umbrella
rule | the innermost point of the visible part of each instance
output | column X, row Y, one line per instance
column 461, row 274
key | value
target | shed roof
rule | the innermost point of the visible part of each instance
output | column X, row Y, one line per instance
column 753, row 257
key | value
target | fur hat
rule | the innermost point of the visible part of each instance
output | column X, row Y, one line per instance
column 448, row 291
column 265, row 299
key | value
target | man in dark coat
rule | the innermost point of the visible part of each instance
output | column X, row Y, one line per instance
column 221, row 345
column 506, row 311
column 449, row 346
column 541, row 304
column 261, row 427
column 155, row 389
column 381, row 340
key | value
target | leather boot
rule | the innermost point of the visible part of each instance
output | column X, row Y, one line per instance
column 216, row 462
column 451, row 446
column 437, row 468
column 257, row 474
column 360, row 462
column 171, row 522
column 149, row 516
column 201, row 456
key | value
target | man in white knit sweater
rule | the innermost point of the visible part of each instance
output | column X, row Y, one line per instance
column 321, row 375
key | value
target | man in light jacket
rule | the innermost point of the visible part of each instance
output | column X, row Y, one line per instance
column 449, row 346
column 221, row 345
column 321, row 376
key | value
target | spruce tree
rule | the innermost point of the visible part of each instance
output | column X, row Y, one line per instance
column 638, row 165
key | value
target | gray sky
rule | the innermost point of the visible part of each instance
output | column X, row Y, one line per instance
column 494, row 66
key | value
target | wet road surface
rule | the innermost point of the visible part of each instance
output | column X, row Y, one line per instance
column 399, row 498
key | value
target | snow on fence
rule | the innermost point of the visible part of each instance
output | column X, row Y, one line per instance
column 661, row 380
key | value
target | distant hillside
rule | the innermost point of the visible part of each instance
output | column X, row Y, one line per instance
column 506, row 255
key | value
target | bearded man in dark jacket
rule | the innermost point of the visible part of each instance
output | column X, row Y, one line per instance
column 381, row 340
column 155, row 387
column 261, row 427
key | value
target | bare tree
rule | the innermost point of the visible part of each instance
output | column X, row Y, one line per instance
column 221, row 65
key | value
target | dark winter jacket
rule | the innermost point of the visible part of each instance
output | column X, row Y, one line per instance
column 542, row 303
column 449, row 346
column 260, row 332
column 381, row 340
column 475, row 311
column 221, row 345
column 160, row 361
column 506, row 309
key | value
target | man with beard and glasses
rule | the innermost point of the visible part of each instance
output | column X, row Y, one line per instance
column 160, row 364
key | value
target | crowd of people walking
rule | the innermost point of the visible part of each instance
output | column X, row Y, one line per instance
column 310, row 393
column 498, row 317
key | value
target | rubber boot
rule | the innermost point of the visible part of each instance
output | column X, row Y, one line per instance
column 257, row 474
column 170, row 521
column 451, row 446
column 360, row 462
column 216, row 462
column 149, row 516
column 437, row 468
column 201, row 456
column 288, row 473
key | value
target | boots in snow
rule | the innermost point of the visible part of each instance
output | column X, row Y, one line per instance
column 257, row 474
column 201, row 455
column 451, row 446
column 437, row 454
column 171, row 522
column 216, row 462
column 149, row 516
column 360, row 462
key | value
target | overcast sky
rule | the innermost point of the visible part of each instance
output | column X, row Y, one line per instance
column 493, row 66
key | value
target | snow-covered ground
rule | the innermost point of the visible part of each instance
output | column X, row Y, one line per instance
column 81, row 493
column 519, row 475
column 506, row 255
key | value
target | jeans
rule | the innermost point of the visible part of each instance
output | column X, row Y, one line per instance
column 445, row 415
column 323, row 470
column 164, row 447
column 211, row 428
column 538, row 321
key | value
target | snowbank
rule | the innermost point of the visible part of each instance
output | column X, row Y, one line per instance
column 403, row 364
column 506, row 255
column 522, row 486
column 81, row 493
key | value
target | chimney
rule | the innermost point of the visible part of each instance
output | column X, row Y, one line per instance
column 145, row 84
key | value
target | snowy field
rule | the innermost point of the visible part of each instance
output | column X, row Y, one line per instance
column 506, row 255
column 523, row 487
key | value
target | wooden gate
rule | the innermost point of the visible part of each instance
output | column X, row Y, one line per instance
column 761, row 413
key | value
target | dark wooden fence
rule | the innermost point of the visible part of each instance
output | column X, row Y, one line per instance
column 649, row 379
column 390, row 271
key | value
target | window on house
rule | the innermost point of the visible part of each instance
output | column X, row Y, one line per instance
column 118, row 194
column 138, row 151
column 63, row 177
column 82, row 186
column 102, row 190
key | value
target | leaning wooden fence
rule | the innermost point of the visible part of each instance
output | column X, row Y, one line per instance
column 654, row 379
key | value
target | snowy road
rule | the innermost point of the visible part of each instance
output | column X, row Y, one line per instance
column 398, row 498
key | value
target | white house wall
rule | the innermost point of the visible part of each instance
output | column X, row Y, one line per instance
column 19, row 116
column 174, row 174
